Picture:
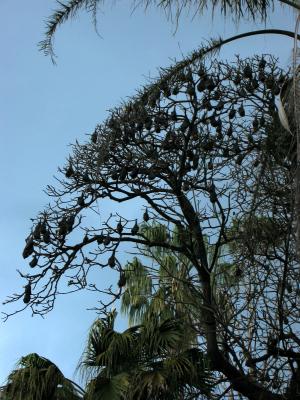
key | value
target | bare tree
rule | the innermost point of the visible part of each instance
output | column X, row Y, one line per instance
column 203, row 149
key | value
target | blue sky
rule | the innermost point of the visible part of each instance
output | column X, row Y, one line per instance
column 44, row 108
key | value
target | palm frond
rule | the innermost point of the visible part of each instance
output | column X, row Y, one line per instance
column 104, row 388
column 255, row 9
column 156, row 233
column 168, row 378
column 180, row 235
column 168, row 266
column 159, row 336
column 138, row 291
column 179, row 367
column 142, row 298
column 38, row 378
column 120, row 349
column 64, row 12
column 134, row 306
column 152, row 384
column 108, row 349
column 137, row 274
column 154, row 361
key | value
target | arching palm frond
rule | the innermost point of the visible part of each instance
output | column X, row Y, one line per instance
column 189, row 368
column 64, row 12
column 134, row 306
column 162, row 336
column 153, row 384
column 108, row 350
column 138, row 291
column 162, row 287
column 156, row 233
column 38, row 378
column 255, row 9
column 137, row 275
column 174, row 377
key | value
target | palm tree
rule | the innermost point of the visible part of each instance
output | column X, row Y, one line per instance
column 168, row 286
column 38, row 378
column 147, row 361
column 164, row 286
column 159, row 357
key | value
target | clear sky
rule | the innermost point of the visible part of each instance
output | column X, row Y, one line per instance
column 43, row 108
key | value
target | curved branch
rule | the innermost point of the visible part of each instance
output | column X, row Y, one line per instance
column 214, row 46
column 290, row 3
column 259, row 32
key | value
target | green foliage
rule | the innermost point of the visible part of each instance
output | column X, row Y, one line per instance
column 265, row 232
column 38, row 378
column 182, row 288
column 135, row 299
column 148, row 361
column 156, row 233
column 107, row 348
column 160, row 285
column 103, row 388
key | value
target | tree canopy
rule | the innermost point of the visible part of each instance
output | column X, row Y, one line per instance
column 203, row 149
column 212, row 293
column 38, row 378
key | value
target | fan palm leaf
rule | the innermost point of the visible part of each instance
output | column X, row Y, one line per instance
column 148, row 361
column 142, row 295
column 152, row 384
column 105, row 388
column 108, row 349
column 173, row 295
column 38, row 378
column 185, row 369
column 170, row 378
column 158, row 358
column 161, row 336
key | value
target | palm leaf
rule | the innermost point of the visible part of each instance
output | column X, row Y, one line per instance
column 109, row 350
column 138, row 291
column 156, row 233
column 38, row 378
column 255, row 9
column 150, row 384
column 169, row 295
column 134, row 306
column 161, row 336
column 103, row 388
column 153, row 361
column 64, row 12
column 179, row 367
